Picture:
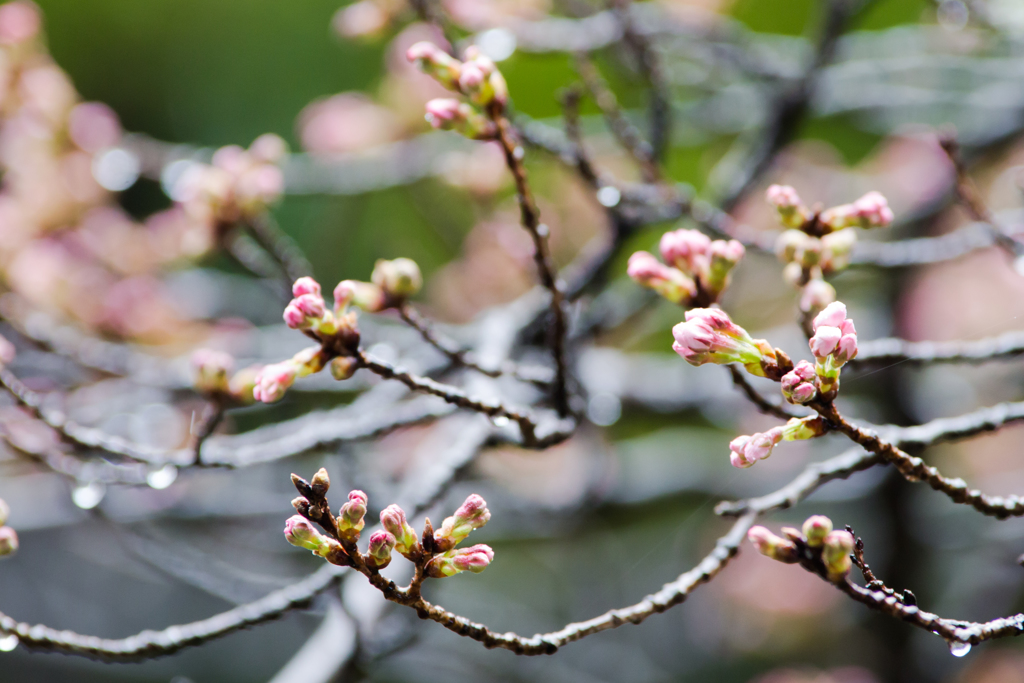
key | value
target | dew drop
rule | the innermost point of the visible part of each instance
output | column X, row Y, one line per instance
column 500, row 421
column 959, row 649
column 604, row 409
column 88, row 496
column 8, row 643
column 163, row 477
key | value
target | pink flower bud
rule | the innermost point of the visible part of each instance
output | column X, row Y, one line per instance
column 350, row 517
column 8, row 541
column 437, row 63
column 293, row 317
column 816, row 528
column 825, row 341
column 723, row 257
column 873, row 210
column 782, row 196
column 687, row 250
column 710, row 336
column 273, row 380
column 300, row 532
column 311, row 305
column 392, row 518
column 473, row 514
column 379, row 551
column 835, row 553
column 442, row 111
column 364, row 295
column 816, row 295
column 746, row 450
column 93, row 126
column 473, row 559
column 268, row 148
column 773, row 546
column 19, row 22
column 798, row 385
column 833, row 315
column 305, row 285
column 670, row 283
column 448, row 114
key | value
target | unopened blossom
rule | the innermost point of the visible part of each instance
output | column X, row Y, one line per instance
column 792, row 212
column 435, row 62
column 5, row 512
column 8, row 541
column 379, row 551
column 305, row 311
column 399, row 278
column 19, row 22
column 816, row 528
column 364, row 295
column 300, row 532
column 351, row 516
column 472, row 514
column 480, row 79
column 723, row 257
column 746, row 450
column 798, row 385
column 392, row 518
column 709, row 336
column 343, row 367
column 870, row 211
column 212, row 371
column 321, row 482
column 473, row 559
column 461, row 117
column 306, row 285
column 835, row 553
column 836, row 248
column 669, row 282
column 773, row 546
column 835, row 338
column 815, row 296
column 687, row 250
column 273, row 381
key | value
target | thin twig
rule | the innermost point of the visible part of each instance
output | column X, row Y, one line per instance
column 778, row 410
column 892, row 350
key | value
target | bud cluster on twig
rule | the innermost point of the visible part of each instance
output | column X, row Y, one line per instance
column 816, row 546
column 698, row 269
column 434, row 553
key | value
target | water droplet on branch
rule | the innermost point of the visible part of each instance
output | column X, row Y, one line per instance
column 959, row 649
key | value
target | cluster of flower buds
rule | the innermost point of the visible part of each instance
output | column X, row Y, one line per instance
column 391, row 284
column 437, row 554
column 272, row 381
column 747, row 450
column 818, row 243
column 697, row 271
column 8, row 537
column 833, row 344
column 237, row 185
column 475, row 76
column 709, row 336
column 816, row 540
column 215, row 377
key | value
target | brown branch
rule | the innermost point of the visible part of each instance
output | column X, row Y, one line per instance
column 530, row 217
column 779, row 410
column 285, row 252
column 892, row 350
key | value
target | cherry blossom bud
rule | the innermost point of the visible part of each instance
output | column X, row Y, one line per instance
column 273, row 380
column 463, row 118
column 836, row 248
column 5, row 512
column 392, row 518
column 300, row 532
column 321, row 482
column 789, row 243
column 435, row 62
column 687, row 250
column 870, row 211
column 211, row 371
column 364, row 295
column 473, row 559
column 798, row 385
column 243, row 383
column 710, row 336
column 399, row 278
column 773, row 546
column 343, row 367
column 670, row 283
column 792, row 212
column 270, row 149
column 473, row 514
column 815, row 296
column 19, row 22
column 747, row 450
column 816, row 528
column 834, row 340
column 7, row 351
column 8, row 541
column 825, row 341
column 379, row 552
column 835, row 553
column 833, row 315
column 724, row 257
column 306, row 285
column 350, row 517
